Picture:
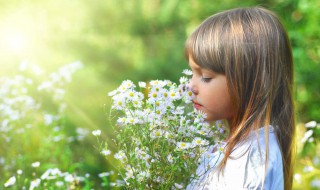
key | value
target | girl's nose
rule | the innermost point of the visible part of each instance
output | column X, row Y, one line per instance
column 192, row 87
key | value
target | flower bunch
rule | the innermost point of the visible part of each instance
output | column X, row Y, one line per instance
column 159, row 135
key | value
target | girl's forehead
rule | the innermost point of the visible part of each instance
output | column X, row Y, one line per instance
column 192, row 63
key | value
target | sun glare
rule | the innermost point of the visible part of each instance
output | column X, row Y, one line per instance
column 14, row 41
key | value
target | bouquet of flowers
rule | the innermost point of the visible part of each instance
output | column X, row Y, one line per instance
column 160, row 136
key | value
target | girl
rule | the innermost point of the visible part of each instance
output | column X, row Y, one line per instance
column 242, row 68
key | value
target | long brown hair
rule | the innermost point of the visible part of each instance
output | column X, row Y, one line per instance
column 251, row 48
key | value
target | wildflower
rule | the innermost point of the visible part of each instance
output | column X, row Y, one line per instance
column 105, row 174
column 19, row 172
column 119, row 102
column 96, row 132
column 157, row 126
column 178, row 186
column 69, row 178
column 159, row 83
column 142, row 154
column 34, row 183
column 59, row 183
column 121, row 156
column 125, row 85
column 187, row 72
column 129, row 172
column 132, row 121
column 142, row 84
column 48, row 119
column 112, row 93
column 183, row 80
column 311, row 124
column 35, row 164
column 183, row 145
column 141, row 176
column 307, row 169
column 156, row 133
column 306, row 136
column 199, row 142
column 154, row 96
column 315, row 183
column 11, row 181
column 174, row 95
column 297, row 178
column 170, row 158
column 51, row 174
column 105, row 152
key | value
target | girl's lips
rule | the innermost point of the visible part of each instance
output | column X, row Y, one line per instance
column 196, row 105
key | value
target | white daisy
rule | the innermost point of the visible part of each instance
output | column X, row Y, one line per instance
column 187, row 72
column 183, row 145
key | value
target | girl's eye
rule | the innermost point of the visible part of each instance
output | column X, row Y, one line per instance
column 203, row 79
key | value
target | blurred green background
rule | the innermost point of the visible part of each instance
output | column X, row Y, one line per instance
column 139, row 40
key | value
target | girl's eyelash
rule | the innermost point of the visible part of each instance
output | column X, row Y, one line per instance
column 205, row 79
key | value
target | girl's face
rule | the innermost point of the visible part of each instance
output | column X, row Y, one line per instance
column 211, row 93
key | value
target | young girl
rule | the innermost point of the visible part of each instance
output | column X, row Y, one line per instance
column 242, row 68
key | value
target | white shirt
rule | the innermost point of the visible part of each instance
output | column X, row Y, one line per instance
column 246, row 170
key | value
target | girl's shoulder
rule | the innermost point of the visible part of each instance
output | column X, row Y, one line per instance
column 245, row 168
column 249, row 160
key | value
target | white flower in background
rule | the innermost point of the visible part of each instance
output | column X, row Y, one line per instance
column 59, row 183
column 112, row 93
column 311, row 124
column 170, row 158
column 142, row 85
column 178, row 186
column 82, row 132
column 142, row 154
column 35, row 164
column 23, row 65
column 49, row 118
column 11, row 181
column 51, row 174
column 69, row 178
column 19, row 172
column 316, row 160
column 315, row 183
column 122, row 120
column 105, row 152
column 34, row 183
column 36, row 69
column 105, row 174
column 187, row 72
column 121, row 156
column 306, row 136
column 96, row 132
column 307, row 169
column 142, row 176
column 297, row 178
column 129, row 172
